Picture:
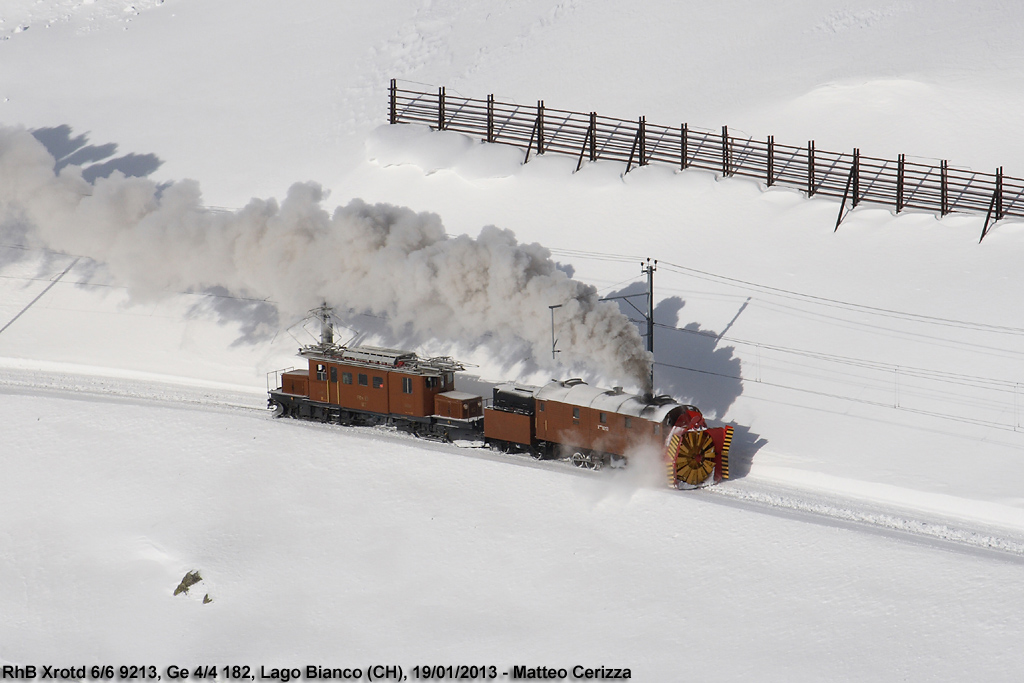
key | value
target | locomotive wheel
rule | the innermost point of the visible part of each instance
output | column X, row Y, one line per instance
column 695, row 460
column 586, row 461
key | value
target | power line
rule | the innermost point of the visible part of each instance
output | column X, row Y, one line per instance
column 925, row 373
column 953, row 417
column 79, row 257
column 40, row 295
column 887, row 312
column 792, row 294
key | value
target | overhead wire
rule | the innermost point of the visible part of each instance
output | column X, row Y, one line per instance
column 113, row 286
column 953, row 417
column 793, row 294
column 967, row 380
column 876, row 310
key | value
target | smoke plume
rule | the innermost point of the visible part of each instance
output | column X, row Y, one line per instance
column 379, row 259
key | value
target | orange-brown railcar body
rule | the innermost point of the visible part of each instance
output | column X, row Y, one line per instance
column 458, row 405
column 507, row 427
column 577, row 416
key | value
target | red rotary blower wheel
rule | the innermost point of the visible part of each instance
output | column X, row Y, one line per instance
column 695, row 457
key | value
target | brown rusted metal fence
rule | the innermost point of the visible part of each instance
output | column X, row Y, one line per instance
column 850, row 176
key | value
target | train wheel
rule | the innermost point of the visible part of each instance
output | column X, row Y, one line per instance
column 695, row 459
column 586, row 461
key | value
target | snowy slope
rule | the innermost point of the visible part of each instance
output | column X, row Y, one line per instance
column 878, row 365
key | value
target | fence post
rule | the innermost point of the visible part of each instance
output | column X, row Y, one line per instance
column 490, row 118
column 593, row 136
column 684, row 134
column 900, row 170
column 944, row 187
column 540, row 126
column 583, row 148
column 632, row 150
column 725, row 151
column 856, row 175
column 842, row 205
column 643, row 140
column 988, row 216
column 999, row 193
column 440, row 108
column 810, row 168
column 771, row 160
column 393, row 95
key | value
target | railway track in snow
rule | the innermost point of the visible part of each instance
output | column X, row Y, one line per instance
column 907, row 524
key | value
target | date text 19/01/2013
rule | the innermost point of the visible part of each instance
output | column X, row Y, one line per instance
column 379, row 672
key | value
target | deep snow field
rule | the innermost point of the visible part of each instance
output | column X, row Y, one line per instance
column 874, row 527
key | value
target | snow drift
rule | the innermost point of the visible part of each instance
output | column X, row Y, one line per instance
column 380, row 259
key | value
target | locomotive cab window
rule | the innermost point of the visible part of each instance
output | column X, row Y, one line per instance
column 378, row 382
column 629, row 422
column 431, row 382
column 364, row 380
column 334, row 374
column 540, row 406
column 603, row 417
column 657, row 429
column 346, row 378
column 575, row 413
column 407, row 385
column 321, row 372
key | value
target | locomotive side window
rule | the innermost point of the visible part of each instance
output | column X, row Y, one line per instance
column 346, row 378
column 407, row 385
column 431, row 382
column 364, row 380
column 603, row 417
column 575, row 413
column 449, row 379
column 378, row 382
column 657, row 429
column 629, row 423
column 540, row 405
column 321, row 372
column 334, row 374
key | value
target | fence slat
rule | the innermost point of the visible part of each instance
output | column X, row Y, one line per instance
column 897, row 182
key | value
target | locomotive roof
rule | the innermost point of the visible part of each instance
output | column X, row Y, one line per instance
column 579, row 393
column 380, row 357
column 521, row 390
column 459, row 395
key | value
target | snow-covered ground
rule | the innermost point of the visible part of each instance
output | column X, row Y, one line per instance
column 874, row 528
column 343, row 547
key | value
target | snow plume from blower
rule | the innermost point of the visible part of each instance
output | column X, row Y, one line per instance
column 378, row 258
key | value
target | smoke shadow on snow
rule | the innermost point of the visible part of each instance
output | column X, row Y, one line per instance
column 258, row 320
column 97, row 161
column 693, row 366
